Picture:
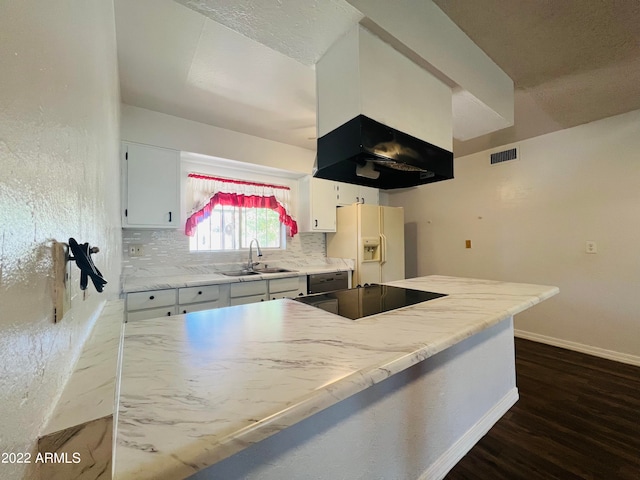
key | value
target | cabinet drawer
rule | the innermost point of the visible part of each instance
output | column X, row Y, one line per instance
column 248, row 299
column 205, row 293
column 244, row 289
column 283, row 285
column 151, row 299
column 285, row 294
column 151, row 313
column 196, row 307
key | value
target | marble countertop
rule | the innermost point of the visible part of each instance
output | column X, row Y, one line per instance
column 200, row 387
column 88, row 395
column 194, row 276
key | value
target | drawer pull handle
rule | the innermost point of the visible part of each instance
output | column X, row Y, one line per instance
column 168, row 314
column 151, row 297
column 184, row 311
column 200, row 292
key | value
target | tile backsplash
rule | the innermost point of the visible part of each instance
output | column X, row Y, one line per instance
column 170, row 248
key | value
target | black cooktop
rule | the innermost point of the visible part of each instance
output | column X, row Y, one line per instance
column 355, row 303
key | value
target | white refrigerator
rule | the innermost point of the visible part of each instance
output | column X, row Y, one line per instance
column 373, row 235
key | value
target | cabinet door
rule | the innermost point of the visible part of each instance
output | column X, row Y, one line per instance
column 369, row 195
column 348, row 194
column 151, row 313
column 151, row 299
column 323, row 205
column 151, row 186
column 197, row 307
column 250, row 299
column 205, row 293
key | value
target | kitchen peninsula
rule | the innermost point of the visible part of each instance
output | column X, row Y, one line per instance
column 281, row 389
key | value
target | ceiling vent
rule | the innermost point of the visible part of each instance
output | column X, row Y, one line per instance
column 504, row 156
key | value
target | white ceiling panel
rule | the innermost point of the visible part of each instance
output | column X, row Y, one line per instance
column 300, row 29
column 176, row 61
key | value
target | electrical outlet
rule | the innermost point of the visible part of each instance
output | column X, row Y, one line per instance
column 136, row 250
column 591, row 247
column 467, row 244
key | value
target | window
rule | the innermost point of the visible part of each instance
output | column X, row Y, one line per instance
column 233, row 228
column 227, row 214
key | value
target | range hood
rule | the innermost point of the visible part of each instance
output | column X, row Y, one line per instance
column 366, row 152
column 382, row 120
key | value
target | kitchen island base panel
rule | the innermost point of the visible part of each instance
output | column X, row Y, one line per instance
column 415, row 424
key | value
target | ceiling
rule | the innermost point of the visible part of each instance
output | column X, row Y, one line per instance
column 571, row 62
column 248, row 66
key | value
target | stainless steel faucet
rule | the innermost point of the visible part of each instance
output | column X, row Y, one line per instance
column 250, row 263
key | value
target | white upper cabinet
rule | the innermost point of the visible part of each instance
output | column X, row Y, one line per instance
column 348, row 194
column 151, row 186
column 318, row 200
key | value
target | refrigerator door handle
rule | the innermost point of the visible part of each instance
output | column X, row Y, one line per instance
column 383, row 249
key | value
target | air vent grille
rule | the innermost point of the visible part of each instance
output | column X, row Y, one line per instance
column 504, row 156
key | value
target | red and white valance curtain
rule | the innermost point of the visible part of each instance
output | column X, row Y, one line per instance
column 204, row 192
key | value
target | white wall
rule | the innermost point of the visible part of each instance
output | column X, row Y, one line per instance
column 58, row 179
column 154, row 128
column 528, row 221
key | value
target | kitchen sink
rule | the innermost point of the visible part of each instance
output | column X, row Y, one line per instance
column 273, row 270
column 240, row 273
column 258, row 271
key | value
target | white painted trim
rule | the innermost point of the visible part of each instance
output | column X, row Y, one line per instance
column 580, row 347
column 454, row 454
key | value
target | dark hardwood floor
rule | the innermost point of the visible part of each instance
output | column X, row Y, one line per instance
column 578, row 417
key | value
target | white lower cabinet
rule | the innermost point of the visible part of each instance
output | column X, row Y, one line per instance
column 197, row 307
column 289, row 287
column 177, row 301
column 248, row 292
column 151, row 299
column 151, row 313
column 248, row 299
column 204, row 293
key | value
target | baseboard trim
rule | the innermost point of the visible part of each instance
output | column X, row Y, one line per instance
column 580, row 347
column 439, row 469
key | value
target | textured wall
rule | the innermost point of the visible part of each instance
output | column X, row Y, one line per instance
column 529, row 220
column 59, row 109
